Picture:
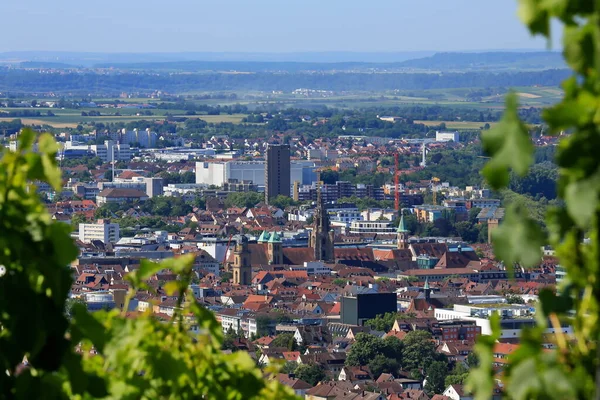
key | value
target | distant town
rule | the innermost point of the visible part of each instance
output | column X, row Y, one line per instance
column 345, row 260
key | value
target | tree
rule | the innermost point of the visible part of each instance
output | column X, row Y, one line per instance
column 310, row 373
column 436, row 377
column 381, row 364
column 286, row 340
column 382, row 322
column 229, row 338
column 282, row 201
column 457, row 376
column 157, row 360
column 243, row 199
column 289, row 367
column 419, row 350
column 514, row 299
column 70, row 303
column 364, row 349
column 77, row 219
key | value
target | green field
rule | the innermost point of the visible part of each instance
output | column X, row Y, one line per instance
column 466, row 125
column 458, row 98
column 69, row 118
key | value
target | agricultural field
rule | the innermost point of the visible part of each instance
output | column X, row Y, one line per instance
column 70, row 118
column 458, row 125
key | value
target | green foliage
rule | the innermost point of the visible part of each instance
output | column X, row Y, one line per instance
column 381, row 364
column 436, row 377
column 382, row 322
column 243, row 199
column 366, row 202
column 166, row 206
column 282, row 201
column 35, row 256
column 384, row 355
column 285, row 340
column 570, row 371
column 418, row 351
column 457, row 376
column 311, row 373
column 135, row 358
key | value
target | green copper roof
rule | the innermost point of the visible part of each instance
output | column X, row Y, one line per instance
column 274, row 238
column 401, row 227
column 426, row 286
column 264, row 236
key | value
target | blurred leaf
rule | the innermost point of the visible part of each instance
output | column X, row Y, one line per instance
column 509, row 145
column 518, row 239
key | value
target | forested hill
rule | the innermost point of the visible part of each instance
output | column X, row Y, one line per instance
column 488, row 61
column 27, row 81
column 457, row 62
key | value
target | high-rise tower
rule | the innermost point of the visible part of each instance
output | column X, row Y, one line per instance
column 277, row 171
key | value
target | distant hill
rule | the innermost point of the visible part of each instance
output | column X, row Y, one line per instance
column 451, row 62
column 240, row 66
column 488, row 61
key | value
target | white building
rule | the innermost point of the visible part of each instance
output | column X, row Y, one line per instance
column 313, row 268
column 103, row 230
column 379, row 227
column 105, row 151
column 515, row 317
column 219, row 172
column 447, row 136
column 145, row 139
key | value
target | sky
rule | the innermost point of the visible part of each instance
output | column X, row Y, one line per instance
column 263, row 26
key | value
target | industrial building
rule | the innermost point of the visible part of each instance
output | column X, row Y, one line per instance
column 218, row 172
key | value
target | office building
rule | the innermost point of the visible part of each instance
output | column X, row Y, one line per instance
column 277, row 171
column 218, row 173
column 102, row 230
column 154, row 186
column 355, row 310
column 107, row 152
column 447, row 136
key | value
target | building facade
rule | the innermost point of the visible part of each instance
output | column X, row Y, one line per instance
column 102, row 230
column 277, row 171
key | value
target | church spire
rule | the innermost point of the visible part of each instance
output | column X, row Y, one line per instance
column 401, row 226
column 402, row 234
column 321, row 237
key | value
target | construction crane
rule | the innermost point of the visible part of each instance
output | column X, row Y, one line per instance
column 396, row 183
column 434, row 181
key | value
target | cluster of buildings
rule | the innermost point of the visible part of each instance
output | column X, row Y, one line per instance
column 322, row 293
column 318, row 271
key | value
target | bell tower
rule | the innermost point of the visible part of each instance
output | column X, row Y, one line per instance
column 402, row 234
column 241, row 268
column 322, row 236
column 275, row 249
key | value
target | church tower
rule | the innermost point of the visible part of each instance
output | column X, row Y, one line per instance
column 322, row 236
column 241, row 268
column 275, row 249
column 402, row 234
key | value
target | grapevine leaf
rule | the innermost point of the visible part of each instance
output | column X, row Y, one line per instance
column 509, row 145
column 89, row 326
column 518, row 239
column 51, row 172
column 47, row 144
column 532, row 14
column 26, row 138
column 581, row 199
